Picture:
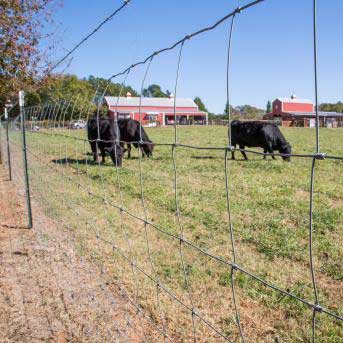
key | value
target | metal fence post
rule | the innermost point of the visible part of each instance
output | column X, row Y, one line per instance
column 0, row 143
column 8, row 146
column 26, row 172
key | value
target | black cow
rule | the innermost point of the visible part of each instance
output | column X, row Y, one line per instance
column 107, row 141
column 130, row 133
column 257, row 134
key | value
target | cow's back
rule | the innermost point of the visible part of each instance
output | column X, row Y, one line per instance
column 256, row 134
column 247, row 133
column 131, row 131
column 106, row 129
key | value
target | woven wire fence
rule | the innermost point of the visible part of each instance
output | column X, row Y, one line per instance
column 93, row 203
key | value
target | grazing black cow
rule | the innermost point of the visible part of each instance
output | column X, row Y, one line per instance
column 258, row 134
column 107, row 139
column 130, row 133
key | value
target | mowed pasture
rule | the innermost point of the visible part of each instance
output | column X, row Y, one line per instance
column 270, row 216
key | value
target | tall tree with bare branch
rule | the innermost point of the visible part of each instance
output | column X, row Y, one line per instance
column 24, row 26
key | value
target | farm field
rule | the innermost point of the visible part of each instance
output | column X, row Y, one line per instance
column 270, row 218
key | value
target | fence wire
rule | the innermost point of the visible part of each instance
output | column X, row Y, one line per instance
column 49, row 121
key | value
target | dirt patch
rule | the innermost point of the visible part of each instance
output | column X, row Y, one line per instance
column 47, row 291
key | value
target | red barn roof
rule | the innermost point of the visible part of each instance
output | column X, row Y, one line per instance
column 129, row 101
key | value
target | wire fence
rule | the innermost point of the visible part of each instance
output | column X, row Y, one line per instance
column 98, row 211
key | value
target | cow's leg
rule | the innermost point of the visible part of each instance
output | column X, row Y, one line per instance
column 128, row 150
column 122, row 144
column 103, row 154
column 142, row 150
column 94, row 151
column 265, row 151
column 233, row 152
column 243, row 152
column 271, row 151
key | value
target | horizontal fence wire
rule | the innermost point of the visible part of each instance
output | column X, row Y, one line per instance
column 178, row 238
column 319, row 156
column 50, row 120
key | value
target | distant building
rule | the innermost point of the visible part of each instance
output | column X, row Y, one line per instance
column 301, row 112
column 156, row 111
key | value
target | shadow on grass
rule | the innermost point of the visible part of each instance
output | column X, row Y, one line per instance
column 14, row 227
column 73, row 161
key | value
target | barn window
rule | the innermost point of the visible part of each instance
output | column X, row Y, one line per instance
column 152, row 117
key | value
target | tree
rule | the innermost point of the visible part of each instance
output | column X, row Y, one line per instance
column 269, row 107
column 67, row 91
column 155, row 91
column 327, row 107
column 226, row 111
column 200, row 104
column 82, row 95
column 248, row 112
column 111, row 89
column 243, row 112
column 22, row 62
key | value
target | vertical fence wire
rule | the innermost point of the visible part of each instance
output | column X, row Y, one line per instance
column 227, row 180
column 176, row 199
column 317, row 307
column 141, row 146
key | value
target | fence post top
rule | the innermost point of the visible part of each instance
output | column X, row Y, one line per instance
column 21, row 98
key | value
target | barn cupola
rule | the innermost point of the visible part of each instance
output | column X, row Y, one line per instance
column 128, row 95
column 171, row 96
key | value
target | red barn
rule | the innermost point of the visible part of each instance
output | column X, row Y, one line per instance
column 301, row 112
column 156, row 111
column 292, row 104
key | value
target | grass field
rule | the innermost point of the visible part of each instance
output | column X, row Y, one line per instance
column 270, row 216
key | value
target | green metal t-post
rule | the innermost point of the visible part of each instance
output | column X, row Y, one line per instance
column 26, row 172
column 8, row 146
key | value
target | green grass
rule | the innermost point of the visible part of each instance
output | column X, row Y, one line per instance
column 270, row 216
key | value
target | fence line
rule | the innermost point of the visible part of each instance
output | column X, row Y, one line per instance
column 54, row 117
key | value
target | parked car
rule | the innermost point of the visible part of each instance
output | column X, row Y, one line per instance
column 78, row 124
column 35, row 128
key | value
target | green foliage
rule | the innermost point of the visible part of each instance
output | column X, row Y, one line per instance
column 155, row 91
column 242, row 112
column 112, row 89
column 269, row 107
column 23, row 28
column 73, row 95
column 247, row 112
column 327, row 107
column 76, row 95
column 226, row 110
column 200, row 104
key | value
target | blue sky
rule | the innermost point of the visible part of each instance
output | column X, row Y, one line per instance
column 272, row 52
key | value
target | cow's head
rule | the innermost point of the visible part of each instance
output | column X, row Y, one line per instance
column 116, row 152
column 286, row 149
column 148, row 148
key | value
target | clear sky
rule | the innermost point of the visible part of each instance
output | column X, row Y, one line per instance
column 272, row 52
